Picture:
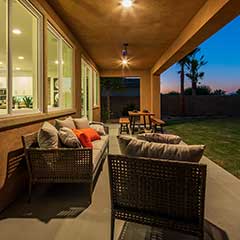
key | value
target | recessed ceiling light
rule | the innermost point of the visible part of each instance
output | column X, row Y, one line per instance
column 16, row 31
column 127, row 3
column 18, row 68
column 56, row 62
column 20, row 57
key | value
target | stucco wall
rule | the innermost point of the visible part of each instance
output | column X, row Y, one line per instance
column 13, row 180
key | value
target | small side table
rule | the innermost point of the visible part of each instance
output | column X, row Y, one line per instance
column 124, row 125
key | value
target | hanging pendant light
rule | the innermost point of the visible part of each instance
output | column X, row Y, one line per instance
column 125, row 55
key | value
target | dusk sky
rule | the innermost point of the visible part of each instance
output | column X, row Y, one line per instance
column 222, row 52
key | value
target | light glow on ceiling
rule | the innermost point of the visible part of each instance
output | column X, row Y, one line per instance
column 17, row 31
column 127, row 3
column 1, row 63
column 18, row 68
column 20, row 57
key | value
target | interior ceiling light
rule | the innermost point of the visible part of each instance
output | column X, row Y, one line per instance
column 20, row 57
column 56, row 62
column 18, row 68
column 127, row 3
column 16, row 31
column 1, row 63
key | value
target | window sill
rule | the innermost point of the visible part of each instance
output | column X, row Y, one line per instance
column 17, row 121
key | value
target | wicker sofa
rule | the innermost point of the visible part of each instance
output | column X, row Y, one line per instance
column 65, row 165
column 160, row 193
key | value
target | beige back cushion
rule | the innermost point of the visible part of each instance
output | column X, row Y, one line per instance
column 68, row 123
column 99, row 128
column 68, row 138
column 190, row 153
column 48, row 136
column 160, row 138
column 81, row 122
column 123, row 141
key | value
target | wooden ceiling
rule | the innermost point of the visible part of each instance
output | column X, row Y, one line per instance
column 149, row 27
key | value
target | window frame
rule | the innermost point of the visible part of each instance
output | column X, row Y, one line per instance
column 36, row 13
column 61, row 39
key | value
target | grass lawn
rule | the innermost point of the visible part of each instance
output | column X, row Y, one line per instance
column 221, row 136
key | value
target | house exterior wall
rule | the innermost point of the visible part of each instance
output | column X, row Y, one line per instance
column 13, row 181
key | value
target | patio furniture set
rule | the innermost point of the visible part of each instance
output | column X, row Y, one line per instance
column 129, row 124
column 155, row 181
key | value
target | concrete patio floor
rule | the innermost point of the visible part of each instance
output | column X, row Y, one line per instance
column 67, row 219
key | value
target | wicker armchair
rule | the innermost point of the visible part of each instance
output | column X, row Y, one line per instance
column 62, row 165
column 160, row 193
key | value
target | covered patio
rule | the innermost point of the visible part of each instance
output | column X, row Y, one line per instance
column 73, row 44
column 58, row 212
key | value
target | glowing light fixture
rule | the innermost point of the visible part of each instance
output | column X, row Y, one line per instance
column 127, row 3
column 125, row 54
column 1, row 63
column 17, row 31
column 18, row 68
column 56, row 62
column 20, row 57
column 124, row 62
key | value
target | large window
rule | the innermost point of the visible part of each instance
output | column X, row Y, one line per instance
column 20, row 69
column 60, row 69
column 3, row 57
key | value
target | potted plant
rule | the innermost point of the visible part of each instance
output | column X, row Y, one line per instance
column 28, row 101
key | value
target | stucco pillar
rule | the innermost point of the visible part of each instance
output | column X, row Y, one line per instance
column 145, row 91
column 155, row 95
column 150, row 93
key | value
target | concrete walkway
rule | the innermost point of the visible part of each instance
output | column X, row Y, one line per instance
column 58, row 213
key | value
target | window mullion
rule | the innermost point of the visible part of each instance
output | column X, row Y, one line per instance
column 60, row 69
column 9, row 56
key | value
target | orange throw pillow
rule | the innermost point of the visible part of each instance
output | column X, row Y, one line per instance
column 83, row 138
column 91, row 133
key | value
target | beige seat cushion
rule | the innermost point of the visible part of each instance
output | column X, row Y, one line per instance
column 160, row 138
column 68, row 123
column 96, row 156
column 48, row 136
column 190, row 153
column 101, row 144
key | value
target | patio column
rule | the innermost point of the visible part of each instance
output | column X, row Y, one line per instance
column 155, row 95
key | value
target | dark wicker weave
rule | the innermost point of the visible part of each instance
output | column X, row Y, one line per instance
column 62, row 165
column 159, row 193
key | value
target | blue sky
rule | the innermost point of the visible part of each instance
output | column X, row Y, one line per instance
column 222, row 52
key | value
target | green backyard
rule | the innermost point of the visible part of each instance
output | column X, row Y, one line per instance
column 221, row 136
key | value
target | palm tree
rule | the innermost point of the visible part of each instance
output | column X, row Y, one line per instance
column 110, row 84
column 219, row 92
column 193, row 66
column 183, row 63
